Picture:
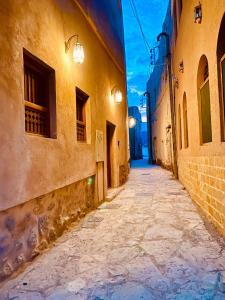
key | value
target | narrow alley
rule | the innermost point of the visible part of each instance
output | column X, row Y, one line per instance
column 148, row 243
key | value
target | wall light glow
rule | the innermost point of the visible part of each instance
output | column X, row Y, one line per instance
column 132, row 122
column 78, row 53
column 78, row 50
column 117, row 95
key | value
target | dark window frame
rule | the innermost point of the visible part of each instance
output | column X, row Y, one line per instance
column 222, row 100
column 39, row 97
column 204, row 138
column 180, row 7
column 204, row 101
column 185, row 121
column 180, row 128
column 175, row 25
column 81, row 117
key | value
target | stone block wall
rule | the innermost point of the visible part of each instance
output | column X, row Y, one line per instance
column 204, row 178
column 29, row 228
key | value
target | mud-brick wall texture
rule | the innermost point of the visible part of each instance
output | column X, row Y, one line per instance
column 204, row 178
column 123, row 173
column 201, row 165
column 29, row 228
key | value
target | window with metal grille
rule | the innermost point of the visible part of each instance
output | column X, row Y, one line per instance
column 39, row 96
column 81, row 99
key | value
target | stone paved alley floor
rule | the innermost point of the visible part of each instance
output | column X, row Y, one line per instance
column 148, row 243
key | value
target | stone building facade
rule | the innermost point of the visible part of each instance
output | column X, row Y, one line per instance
column 198, row 87
column 160, row 116
column 63, row 136
column 135, row 134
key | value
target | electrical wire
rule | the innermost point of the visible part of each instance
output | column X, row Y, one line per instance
column 146, row 43
column 135, row 12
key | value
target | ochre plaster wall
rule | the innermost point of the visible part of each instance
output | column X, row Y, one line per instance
column 161, row 126
column 32, row 166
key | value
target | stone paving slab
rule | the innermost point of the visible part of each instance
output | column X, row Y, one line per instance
column 149, row 243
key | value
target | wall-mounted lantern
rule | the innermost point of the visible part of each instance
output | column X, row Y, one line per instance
column 198, row 13
column 181, row 67
column 117, row 95
column 168, row 128
column 78, row 50
column 176, row 81
column 132, row 122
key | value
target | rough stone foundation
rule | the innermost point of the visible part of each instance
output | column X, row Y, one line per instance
column 204, row 178
column 29, row 228
column 164, row 164
column 123, row 173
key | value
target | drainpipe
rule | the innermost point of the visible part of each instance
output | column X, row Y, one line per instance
column 150, row 159
column 172, row 101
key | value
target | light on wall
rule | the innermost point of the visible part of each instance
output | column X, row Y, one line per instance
column 198, row 13
column 132, row 122
column 181, row 67
column 78, row 50
column 117, row 95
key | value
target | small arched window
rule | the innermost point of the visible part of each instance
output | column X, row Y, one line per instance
column 221, row 74
column 204, row 101
column 179, row 128
column 185, row 121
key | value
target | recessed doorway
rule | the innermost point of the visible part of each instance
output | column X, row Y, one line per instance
column 110, row 130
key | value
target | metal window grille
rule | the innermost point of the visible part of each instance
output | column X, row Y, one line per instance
column 36, row 99
column 81, row 99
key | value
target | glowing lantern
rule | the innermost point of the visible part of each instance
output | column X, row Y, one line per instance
column 78, row 50
column 117, row 95
column 132, row 122
column 78, row 53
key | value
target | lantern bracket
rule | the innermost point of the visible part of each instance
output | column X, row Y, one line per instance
column 68, row 42
column 198, row 13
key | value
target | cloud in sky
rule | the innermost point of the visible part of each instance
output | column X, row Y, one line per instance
column 133, row 90
column 151, row 14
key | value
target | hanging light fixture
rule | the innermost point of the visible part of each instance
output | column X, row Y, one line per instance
column 132, row 122
column 181, row 67
column 117, row 95
column 198, row 13
column 78, row 50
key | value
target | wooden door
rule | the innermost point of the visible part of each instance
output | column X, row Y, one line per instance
column 110, row 128
column 100, row 181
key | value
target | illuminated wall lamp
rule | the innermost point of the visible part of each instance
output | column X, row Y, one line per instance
column 117, row 95
column 198, row 13
column 78, row 50
column 132, row 122
column 181, row 67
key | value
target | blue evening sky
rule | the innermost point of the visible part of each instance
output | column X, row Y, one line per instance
column 151, row 14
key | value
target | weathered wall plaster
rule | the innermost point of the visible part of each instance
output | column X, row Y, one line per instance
column 32, row 166
column 201, row 167
column 28, row 229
